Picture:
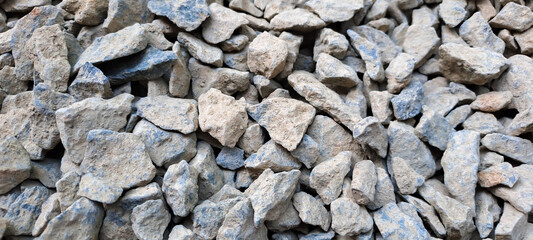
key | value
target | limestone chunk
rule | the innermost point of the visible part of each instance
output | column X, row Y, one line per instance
column 400, row 68
column 520, row 195
column 513, row 17
column 452, row 12
column 487, row 212
column 513, row 147
column 184, row 13
column 476, row 32
column 370, row 54
column 434, row 129
column 333, row 72
column 180, row 188
column 327, row 177
column 267, row 55
column 221, row 23
column 228, row 81
column 428, row 214
column 90, row 82
column 483, row 123
column 384, row 190
column 210, row 176
column 502, row 173
column 406, row 178
column 50, row 209
column 492, row 101
column 516, row 81
column 123, row 13
column 238, row 223
column 150, row 219
column 170, row 113
column 98, row 190
column 330, row 42
column 298, row 19
column 420, row 42
column 521, row 123
column 512, row 225
column 311, row 210
column 15, row 166
column 200, row 50
column 524, row 41
column 364, row 181
column 380, row 105
column 408, row 103
column 333, row 11
column 393, row 223
column 246, row 6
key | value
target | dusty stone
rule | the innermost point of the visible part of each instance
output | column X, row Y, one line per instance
column 200, row 50
column 408, row 103
column 380, row 105
column 289, row 219
column 87, row 12
column 428, row 214
column 370, row 132
column 458, row 115
column 452, row 12
column 370, row 54
column 311, row 210
column 348, row 218
column 330, row 42
column 238, row 223
column 384, row 190
column 521, row 123
column 514, row 17
column 67, row 187
column 50, row 209
column 323, row 98
column 46, row 171
column 123, row 13
column 502, row 173
column 234, row 43
column 400, row 68
column 393, row 223
column 15, row 164
column 425, row 16
column 327, row 177
column 185, row 14
column 274, row 114
column 420, row 42
column 246, row 6
column 221, row 23
column 364, row 181
column 214, row 103
column 333, row 72
column 165, row 148
column 265, row 86
column 227, row 80
column 293, row 47
column 434, row 129
column 23, row 6
column 90, row 82
column 513, row 223
column 520, row 195
column 488, row 159
column 180, row 188
column 272, row 156
column 483, row 123
column 492, row 101
column 24, row 211
column 307, row 151
column 5, row 41
column 174, row 114
column 264, row 60
column 252, row 138
column 403, row 143
column 237, row 60
column 333, row 11
column 230, row 158
column 298, row 19
column 476, row 32
column 210, row 178
column 466, row 65
column 150, row 219
column 207, row 217
column 269, row 192
column 407, row 179
column 98, row 190
column 516, row 81
column 524, row 41
column 179, row 232
column 75, row 122
column 460, row 164
column 487, row 212
column 386, row 47
column 509, row 39
column 513, row 147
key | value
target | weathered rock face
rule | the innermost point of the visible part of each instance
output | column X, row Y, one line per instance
column 185, row 14
column 150, row 220
column 180, row 186
column 273, row 156
column 311, row 210
column 393, row 223
column 175, row 114
column 15, row 166
column 327, row 177
column 267, row 55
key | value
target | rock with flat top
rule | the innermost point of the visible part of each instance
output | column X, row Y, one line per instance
column 512, row 225
column 333, row 11
column 298, row 19
column 330, row 42
column 221, row 23
column 520, row 195
column 15, row 165
column 333, row 72
column 492, row 101
column 407, row 179
column 513, row 17
column 370, row 132
column 273, row 156
column 311, row 210
column 200, row 50
column 227, row 80
column 184, row 13
column 327, row 177
column 267, row 55
column 180, row 186
column 394, row 224
column 150, row 219
column 364, row 181
column 349, row 219
column 174, row 114
column 502, row 173
column 434, row 129
column 476, row 32
column 408, row 103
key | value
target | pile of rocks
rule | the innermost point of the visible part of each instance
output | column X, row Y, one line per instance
column 266, row 119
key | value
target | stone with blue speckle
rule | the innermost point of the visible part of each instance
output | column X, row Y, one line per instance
column 289, row 219
column 50, row 209
column 165, row 147
column 458, row 115
column 82, row 220
column 370, row 132
column 252, row 139
column 513, row 17
column 349, row 219
column 434, row 129
column 428, row 214
column 394, row 224
column 230, row 158
column 364, row 180
column 452, row 12
column 46, row 171
column 476, row 32
column 407, row 179
column 520, row 196
column 67, row 187
column 265, row 86
column 409, row 102
column 330, row 42
column 273, row 156
column 502, row 173
column 487, row 213
column 173, row 114
column 97, row 190
column 207, row 218
column 400, row 68
column 15, row 164
column 239, row 223
column 24, row 211
column 327, row 177
column 512, row 225
column 200, row 50
column 90, row 82
column 410, row 210
column 179, row 232
column 123, row 13
column 332, row 72
column 210, row 178
column 307, row 151
column 267, row 55
column 150, row 219
column 186, row 14
column 180, row 186
column 510, row 146
column 297, row 19
column 311, row 210
column 484, row 123
column 333, row 11
column 370, row 54
column 221, row 23
column 318, row 235
column 228, row 81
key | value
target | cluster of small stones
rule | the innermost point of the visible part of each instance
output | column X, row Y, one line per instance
column 266, row 119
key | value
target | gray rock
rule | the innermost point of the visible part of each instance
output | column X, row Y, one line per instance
column 400, row 68
column 520, row 195
column 425, row 16
column 265, row 86
column 403, row 143
column 318, row 235
column 434, row 129
column 285, row 119
column 370, row 132
column 128, row 41
column 200, row 50
column 180, row 78
column 252, row 139
column 230, row 158
column 207, row 218
column 222, row 116
column 512, row 225
column 524, row 41
column 164, row 147
column 123, row 13
column 488, row 159
column 521, row 123
column 98, row 190
column 502, row 173
column 227, row 80
column 458, row 115
column 180, row 186
column 293, row 46
column 265, row 60
column 323, row 98
column 440, row 100
column 16, row 164
column 234, row 43
column 148, row 64
column 492, row 101
column 87, row 12
column 406, row 178
column 270, row 192
column 75, row 122
column 467, row 65
column 386, row 47
column 47, row 172
column 90, row 82
column 460, row 164
column 272, row 156
column 307, row 151
column 452, row 12
column 185, row 14
column 67, row 188
column 179, row 232
column 380, row 105
column 333, row 11
column 221, row 23
column 239, row 223
column 410, row 210
column 487, row 212
column 370, row 54
column 23, row 6
column 428, row 214
column 298, row 19
column 384, row 190
column 330, row 42
column 483, row 123
column 476, row 32
column 81, row 220
column 24, row 211
column 332, row 72
column 364, row 179
column 311, row 210
column 50, row 209
column 327, row 177
column 420, row 42
column 174, row 114
column 408, row 103
column 246, row 6
column 9, row 82
column 348, row 218
column 515, row 80
column 210, row 178
column 150, row 219
column 393, row 223
column 513, row 17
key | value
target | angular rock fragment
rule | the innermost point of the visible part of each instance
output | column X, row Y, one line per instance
column 87, row 12
column 452, row 12
column 90, row 82
column 285, row 119
column 330, row 42
column 520, row 195
column 512, row 224
column 333, row 72
column 184, row 13
column 267, row 55
column 24, row 211
column 521, row 123
column 174, row 114
column 428, row 214
column 458, row 115
column 348, row 218
column 230, row 158
column 394, row 224
column 234, row 43
column 265, row 86
column 524, row 41
column 483, row 123
column 210, row 178
column 289, row 219
column 272, row 156
column 222, row 116
column 492, row 101
column 400, row 68
column 180, row 188
column 46, row 171
column 420, row 42
column 502, row 173
column 98, row 190
column 269, row 192
column 467, row 65
column 180, row 78
column 221, row 23
column 150, row 219
column 323, row 98
column 386, row 47
column 370, row 132
column 252, row 139
column 327, row 177
column 200, row 50
column 298, row 19
column 408, row 103
column 370, row 54
column 516, row 81
column 311, row 210
column 67, row 188
column 333, row 11
column 307, row 151
column 123, row 13
column 434, row 129
column 50, row 209
column 179, row 232
column 487, row 212
column 384, row 190
column 238, row 223
column 407, row 179
column 364, row 181
column 207, row 217
column 380, row 105
column 15, row 164
column 476, row 32
column 229, row 81
column 513, row 17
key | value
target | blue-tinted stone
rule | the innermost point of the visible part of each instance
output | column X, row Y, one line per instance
column 187, row 14
column 273, row 156
column 90, row 82
column 307, row 151
column 318, row 235
column 409, row 102
column 25, row 210
column 394, row 224
column 230, row 158
column 514, row 147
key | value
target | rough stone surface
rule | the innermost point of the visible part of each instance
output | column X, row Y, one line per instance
column 24, row 210
column 393, row 223
column 16, row 165
column 267, row 55
column 150, row 219
column 210, row 178
column 364, row 179
column 483, row 123
column 370, row 54
column 180, row 186
column 330, row 42
column 331, row 11
column 348, row 218
column 407, row 179
column 515, row 80
column 514, row 17
column 502, row 173
column 221, row 23
column 487, row 212
column 298, row 19
column 520, row 195
column 273, row 156
column 408, row 103
column 311, row 210
column 185, row 14
column 370, row 132
column 434, row 129
column 90, row 82
column 476, row 32
column 512, row 224
column 333, row 72
column 239, row 223
column 174, row 114
column 327, row 177
column 200, row 50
